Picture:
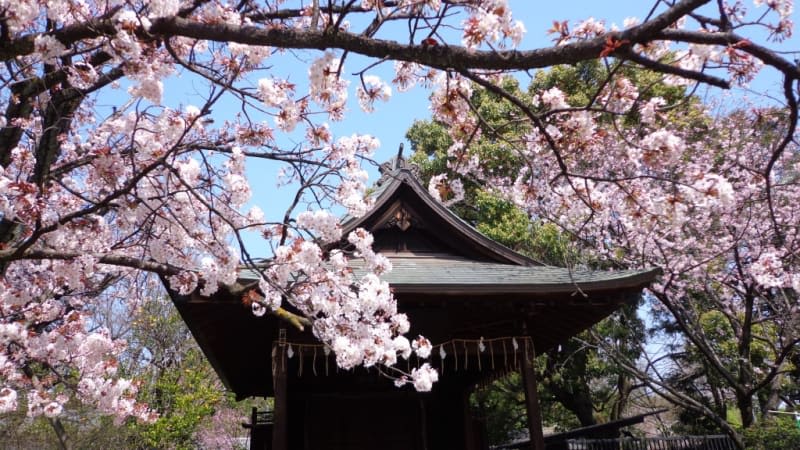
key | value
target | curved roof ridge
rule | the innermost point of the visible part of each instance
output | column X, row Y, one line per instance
column 392, row 180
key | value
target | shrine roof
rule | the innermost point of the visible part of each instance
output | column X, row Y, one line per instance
column 447, row 273
column 452, row 282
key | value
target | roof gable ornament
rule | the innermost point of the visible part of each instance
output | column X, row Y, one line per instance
column 390, row 168
column 403, row 220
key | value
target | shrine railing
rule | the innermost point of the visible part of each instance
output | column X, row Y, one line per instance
column 260, row 427
column 716, row 442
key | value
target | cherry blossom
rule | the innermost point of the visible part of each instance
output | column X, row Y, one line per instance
column 8, row 400
column 424, row 377
column 422, row 347
column 767, row 270
column 448, row 192
column 49, row 47
column 372, row 89
column 491, row 22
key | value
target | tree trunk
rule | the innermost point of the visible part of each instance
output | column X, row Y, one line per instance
column 579, row 402
column 624, row 389
column 744, row 398
column 570, row 387
column 771, row 399
column 61, row 433
column 745, row 405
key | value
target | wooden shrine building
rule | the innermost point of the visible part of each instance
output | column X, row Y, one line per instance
column 486, row 309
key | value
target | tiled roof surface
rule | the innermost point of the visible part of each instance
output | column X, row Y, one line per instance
column 445, row 271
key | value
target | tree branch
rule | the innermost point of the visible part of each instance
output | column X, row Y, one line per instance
column 442, row 57
column 710, row 38
column 111, row 259
column 672, row 70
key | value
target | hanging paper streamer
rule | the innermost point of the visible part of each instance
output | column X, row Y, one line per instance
column 300, row 371
column 442, row 356
column 458, row 350
column 327, row 351
column 491, row 352
column 516, row 347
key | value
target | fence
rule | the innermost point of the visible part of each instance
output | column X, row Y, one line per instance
column 663, row 443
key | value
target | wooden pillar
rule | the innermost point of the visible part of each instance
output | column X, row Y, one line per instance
column 280, row 437
column 423, row 425
column 532, row 397
column 469, row 433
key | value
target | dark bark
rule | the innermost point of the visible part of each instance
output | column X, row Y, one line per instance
column 577, row 400
column 439, row 56
column 566, row 381
column 532, row 399
column 744, row 395
column 61, row 433
column 624, row 389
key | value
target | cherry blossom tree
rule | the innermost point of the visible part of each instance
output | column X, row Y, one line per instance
column 705, row 370
column 722, row 230
column 711, row 197
column 96, row 199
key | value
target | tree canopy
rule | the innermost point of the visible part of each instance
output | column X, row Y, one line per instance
column 98, row 200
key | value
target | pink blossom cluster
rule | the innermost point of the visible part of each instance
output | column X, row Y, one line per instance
column 490, row 22
column 768, row 270
column 405, row 6
column 742, row 66
column 223, row 429
column 784, row 8
column 407, row 75
column 372, row 89
column 355, row 316
column 126, row 195
column 69, row 351
column 450, row 104
column 327, row 88
column 690, row 199
column 448, row 192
